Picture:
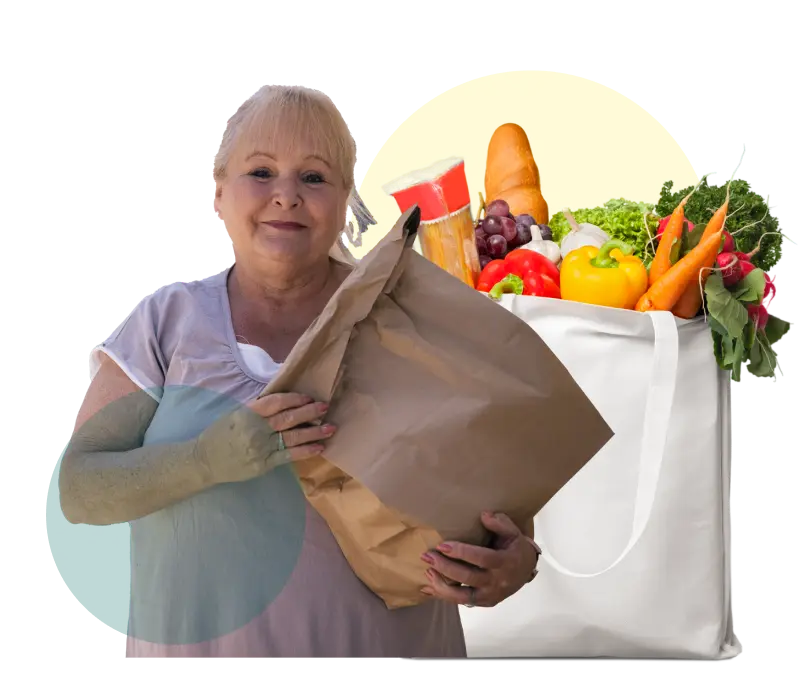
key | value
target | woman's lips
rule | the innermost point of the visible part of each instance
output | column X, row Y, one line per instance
column 284, row 225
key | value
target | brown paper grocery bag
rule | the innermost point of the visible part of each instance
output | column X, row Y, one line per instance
column 446, row 404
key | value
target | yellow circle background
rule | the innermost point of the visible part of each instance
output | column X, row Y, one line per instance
column 590, row 143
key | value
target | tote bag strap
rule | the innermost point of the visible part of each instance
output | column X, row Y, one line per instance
column 657, row 415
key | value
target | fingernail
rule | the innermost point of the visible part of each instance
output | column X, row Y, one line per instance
column 444, row 547
column 489, row 514
column 328, row 429
column 428, row 559
column 427, row 590
column 323, row 408
column 429, row 574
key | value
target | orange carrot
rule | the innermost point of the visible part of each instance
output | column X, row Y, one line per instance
column 671, row 236
column 665, row 292
column 692, row 299
column 690, row 302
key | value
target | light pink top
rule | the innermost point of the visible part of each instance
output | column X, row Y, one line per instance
column 250, row 568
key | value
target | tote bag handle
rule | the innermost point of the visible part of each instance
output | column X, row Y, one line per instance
column 657, row 415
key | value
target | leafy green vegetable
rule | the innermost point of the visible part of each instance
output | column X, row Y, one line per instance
column 762, row 361
column 745, row 208
column 751, row 289
column 729, row 349
column 675, row 252
column 691, row 239
column 749, row 335
column 729, row 312
column 735, row 338
column 738, row 354
column 620, row 219
column 717, row 340
column 715, row 326
column 776, row 329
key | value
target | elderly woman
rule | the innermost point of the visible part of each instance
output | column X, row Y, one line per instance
column 227, row 557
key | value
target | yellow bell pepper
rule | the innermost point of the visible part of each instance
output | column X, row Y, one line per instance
column 609, row 276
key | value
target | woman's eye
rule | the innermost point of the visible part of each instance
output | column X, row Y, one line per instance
column 265, row 173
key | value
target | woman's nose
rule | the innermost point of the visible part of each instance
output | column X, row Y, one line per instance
column 286, row 193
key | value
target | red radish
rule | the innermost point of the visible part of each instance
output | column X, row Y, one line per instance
column 728, row 242
column 770, row 289
column 742, row 256
column 764, row 316
column 759, row 315
column 662, row 225
column 730, row 267
column 746, row 267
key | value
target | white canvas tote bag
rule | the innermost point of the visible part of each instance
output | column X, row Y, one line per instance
column 635, row 547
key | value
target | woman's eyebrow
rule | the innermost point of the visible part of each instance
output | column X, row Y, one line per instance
column 260, row 153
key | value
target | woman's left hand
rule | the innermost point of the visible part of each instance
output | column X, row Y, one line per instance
column 491, row 574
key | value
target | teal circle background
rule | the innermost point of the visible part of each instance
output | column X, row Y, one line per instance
column 207, row 565
column 92, row 559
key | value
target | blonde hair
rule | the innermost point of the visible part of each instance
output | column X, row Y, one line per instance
column 285, row 115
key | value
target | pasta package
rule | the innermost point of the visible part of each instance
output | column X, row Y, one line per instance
column 446, row 231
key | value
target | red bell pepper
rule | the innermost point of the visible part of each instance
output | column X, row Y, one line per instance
column 523, row 261
column 492, row 273
column 540, row 285
column 524, row 272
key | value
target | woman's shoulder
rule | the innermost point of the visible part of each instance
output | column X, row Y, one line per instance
column 161, row 326
column 180, row 297
column 177, row 310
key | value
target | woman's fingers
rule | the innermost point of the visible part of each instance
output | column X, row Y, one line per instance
column 298, row 453
column 460, row 595
column 273, row 404
column 287, row 410
column 298, row 416
column 455, row 571
column 301, row 436
column 482, row 557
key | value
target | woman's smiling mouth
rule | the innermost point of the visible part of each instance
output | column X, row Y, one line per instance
column 284, row 225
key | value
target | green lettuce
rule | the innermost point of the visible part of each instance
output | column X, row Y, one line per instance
column 620, row 219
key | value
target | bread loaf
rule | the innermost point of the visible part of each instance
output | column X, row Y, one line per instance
column 512, row 174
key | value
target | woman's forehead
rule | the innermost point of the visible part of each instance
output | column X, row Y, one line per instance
column 285, row 138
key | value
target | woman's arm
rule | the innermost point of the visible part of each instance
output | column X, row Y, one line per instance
column 106, row 475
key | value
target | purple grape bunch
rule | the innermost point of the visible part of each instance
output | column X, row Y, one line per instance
column 500, row 232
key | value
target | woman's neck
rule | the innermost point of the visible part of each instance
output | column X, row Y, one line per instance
column 278, row 291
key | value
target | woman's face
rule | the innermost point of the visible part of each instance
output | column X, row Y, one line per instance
column 282, row 205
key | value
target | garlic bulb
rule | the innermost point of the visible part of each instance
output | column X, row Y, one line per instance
column 581, row 235
column 547, row 248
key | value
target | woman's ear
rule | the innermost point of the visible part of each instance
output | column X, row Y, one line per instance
column 218, row 200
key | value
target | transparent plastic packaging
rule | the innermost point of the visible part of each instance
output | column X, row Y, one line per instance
column 446, row 231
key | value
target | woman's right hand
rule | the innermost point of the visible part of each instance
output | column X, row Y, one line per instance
column 273, row 430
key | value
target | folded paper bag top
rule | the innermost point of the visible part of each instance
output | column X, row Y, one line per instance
column 446, row 404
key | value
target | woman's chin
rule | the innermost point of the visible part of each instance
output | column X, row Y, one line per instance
column 282, row 248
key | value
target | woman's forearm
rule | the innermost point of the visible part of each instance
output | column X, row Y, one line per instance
column 103, row 488
column 107, row 476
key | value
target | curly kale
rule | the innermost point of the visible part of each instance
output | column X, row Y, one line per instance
column 745, row 207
